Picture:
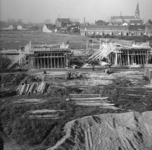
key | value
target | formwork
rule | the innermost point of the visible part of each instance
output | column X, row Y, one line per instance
column 50, row 58
column 128, row 56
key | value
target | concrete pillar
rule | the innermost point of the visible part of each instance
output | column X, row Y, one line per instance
column 54, row 61
column 44, row 60
column 116, row 59
column 35, row 62
column 41, row 61
column 48, row 61
column 62, row 65
column 147, row 57
column 51, row 60
column 64, row 61
column 58, row 61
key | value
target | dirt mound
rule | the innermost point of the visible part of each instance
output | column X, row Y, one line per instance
column 125, row 131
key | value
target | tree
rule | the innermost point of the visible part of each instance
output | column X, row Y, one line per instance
column 150, row 21
column 47, row 21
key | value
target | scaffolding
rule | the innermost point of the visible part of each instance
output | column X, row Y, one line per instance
column 120, row 55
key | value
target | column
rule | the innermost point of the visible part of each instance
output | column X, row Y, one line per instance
column 61, row 61
column 128, row 58
column 54, row 61
column 44, row 60
column 116, row 59
column 64, row 61
column 35, row 62
column 147, row 57
column 57, row 65
column 41, row 61
column 48, row 61
column 51, row 60
column 38, row 62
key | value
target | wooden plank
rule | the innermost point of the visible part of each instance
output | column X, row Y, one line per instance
column 86, row 141
column 90, row 138
column 94, row 98
column 85, row 94
column 94, row 104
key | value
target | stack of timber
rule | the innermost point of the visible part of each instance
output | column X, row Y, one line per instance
column 92, row 100
column 89, row 100
column 44, row 114
column 32, row 88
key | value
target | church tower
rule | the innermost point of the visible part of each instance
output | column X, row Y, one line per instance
column 137, row 12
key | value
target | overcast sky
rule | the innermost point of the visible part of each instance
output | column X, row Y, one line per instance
column 40, row 10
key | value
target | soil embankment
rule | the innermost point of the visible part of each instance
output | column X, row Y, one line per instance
column 125, row 131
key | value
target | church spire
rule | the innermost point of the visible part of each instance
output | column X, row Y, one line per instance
column 137, row 12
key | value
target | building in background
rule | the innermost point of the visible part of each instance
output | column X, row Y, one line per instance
column 62, row 22
column 127, row 19
column 104, row 30
column 148, row 29
column 48, row 28
column 8, row 28
column 100, row 22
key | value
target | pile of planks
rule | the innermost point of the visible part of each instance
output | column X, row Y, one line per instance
column 92, row 100
column 34, row 87
column 44, row 114
column 88, row 99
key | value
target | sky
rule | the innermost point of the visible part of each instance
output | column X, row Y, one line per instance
column 40, row 10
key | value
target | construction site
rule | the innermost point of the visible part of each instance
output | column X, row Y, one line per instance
column 94, row 98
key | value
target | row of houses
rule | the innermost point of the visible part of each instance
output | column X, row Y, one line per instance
column 115, row 30
column 11, row 27
column 134, row 27
column 62, row 25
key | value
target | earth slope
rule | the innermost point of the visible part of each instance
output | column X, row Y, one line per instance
column 125, row 131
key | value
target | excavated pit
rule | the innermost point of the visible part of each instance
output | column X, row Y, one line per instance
column 125, row 131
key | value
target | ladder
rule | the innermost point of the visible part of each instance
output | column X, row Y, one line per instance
column 20, row 56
